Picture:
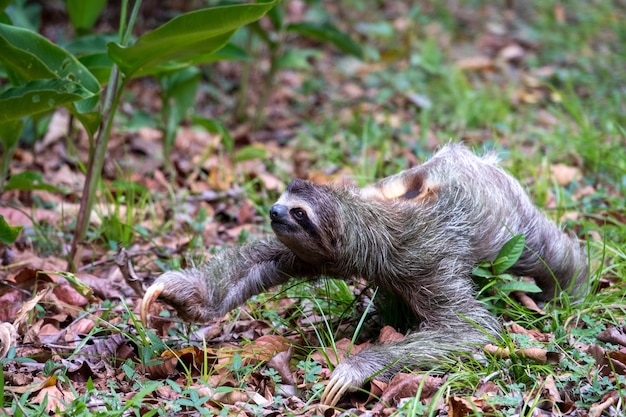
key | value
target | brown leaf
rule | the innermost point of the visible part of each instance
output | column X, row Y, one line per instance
column 475, row 63
column 551, row 392
column 525, row 300
column 280, row 362
column 487, row 388
column 563, row 174
column 404, row 385
column 265, row 347
column 389, row 335
column 55, row 397
column 534, row 334
column 537, row 354
column 613, row 335
column 68, row 295
column 23, row 315
column 461, row 407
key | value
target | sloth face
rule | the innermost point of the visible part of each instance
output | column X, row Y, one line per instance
column 302, row 220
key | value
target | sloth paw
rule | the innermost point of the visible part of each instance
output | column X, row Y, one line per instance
column 345, row 378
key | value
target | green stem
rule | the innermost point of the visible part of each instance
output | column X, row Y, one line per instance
column 95, row 164
column 98, row 152
column 240, row 111
column 276, row 51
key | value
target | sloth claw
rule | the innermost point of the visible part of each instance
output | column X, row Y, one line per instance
column 336, row 387
column 152, row 293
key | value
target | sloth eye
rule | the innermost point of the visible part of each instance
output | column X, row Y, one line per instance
column 298, row 214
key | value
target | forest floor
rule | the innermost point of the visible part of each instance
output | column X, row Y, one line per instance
column 543, row 85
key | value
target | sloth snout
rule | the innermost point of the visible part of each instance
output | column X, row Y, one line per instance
column 278, row 211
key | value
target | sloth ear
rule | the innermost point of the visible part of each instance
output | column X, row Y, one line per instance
column 418, row 187
column 412, row 185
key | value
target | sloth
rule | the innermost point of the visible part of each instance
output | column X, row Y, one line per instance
column 416, row 235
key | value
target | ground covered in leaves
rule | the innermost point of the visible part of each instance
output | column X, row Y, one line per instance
column 544, row 85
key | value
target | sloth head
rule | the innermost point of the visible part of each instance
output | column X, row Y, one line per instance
column 306, row 219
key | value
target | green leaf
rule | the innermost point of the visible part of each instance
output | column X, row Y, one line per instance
column 29, row 181
column 482, row 272
column 509, row 254
column 325, row 32
column 4, row 4
column 185, row 38
column 38, row 96
column 83, row 14
column 179, row 93
column 8, row 234
column 35, row 57
column 91, row 51
column 522, row 286
column 10, row 132
column 250, row 152
column 30, row 57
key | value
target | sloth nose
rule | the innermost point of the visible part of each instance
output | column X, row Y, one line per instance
column 278, row 211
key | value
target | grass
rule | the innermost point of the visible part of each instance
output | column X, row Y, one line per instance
column 565, row 103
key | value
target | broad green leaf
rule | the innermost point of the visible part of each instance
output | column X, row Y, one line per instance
column 326, row 32
column 8, row 234
column 29, row 181
column 10, row 133
column 4, row 4
column 185, row 37
column 277, row 17
column 229, row 52
column 250, row 152
column 509, row 254
column 24, row 14
column 32, row 57
column 482, row 272
column 179, row 93
column 83, row 14
column 91, row 51
column 38, row 96
column 35, row 57
column 522, row 286
column 99, row 64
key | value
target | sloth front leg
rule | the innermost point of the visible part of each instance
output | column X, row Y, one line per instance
column 225, row 282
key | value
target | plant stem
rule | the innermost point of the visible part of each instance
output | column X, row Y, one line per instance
column 96, row 155
column 94, row 166
column 240, row 111
column 276, row 51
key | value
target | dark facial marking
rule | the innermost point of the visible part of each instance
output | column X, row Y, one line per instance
column 298, row 214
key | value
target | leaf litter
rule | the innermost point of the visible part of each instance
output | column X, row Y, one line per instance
column 46, row 317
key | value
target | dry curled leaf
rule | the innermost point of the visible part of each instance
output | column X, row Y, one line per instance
column 539, row 355
column 613, row 335
column 23, row 315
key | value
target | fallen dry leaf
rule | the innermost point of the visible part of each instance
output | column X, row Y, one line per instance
column 389, row 335
column 404, row 385
column 22, row 317
column 525, row 300
column 537, row 354
column 280, row 362
column 564, row 174
column 475, row 63
column 8, row 338
column 613, row 335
